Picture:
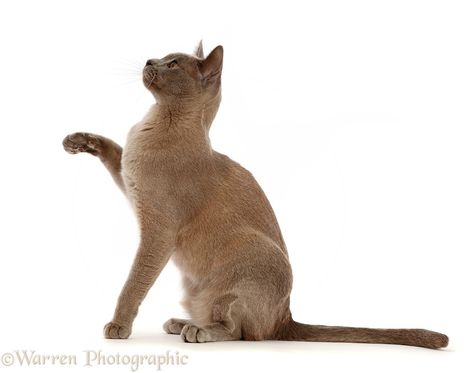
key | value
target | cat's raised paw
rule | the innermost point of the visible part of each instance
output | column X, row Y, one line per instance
column 113, row 330
column 81, row 142
column 194, row 334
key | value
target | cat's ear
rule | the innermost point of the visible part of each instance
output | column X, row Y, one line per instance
column 211, row 67
column 199, row 51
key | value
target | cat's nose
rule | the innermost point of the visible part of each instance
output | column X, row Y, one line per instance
column 149, row 62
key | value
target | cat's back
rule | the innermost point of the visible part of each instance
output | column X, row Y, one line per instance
column 234, row 178
column 241, row 197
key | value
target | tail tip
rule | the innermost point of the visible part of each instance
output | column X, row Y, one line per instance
column 444, row 341
column 440, row 341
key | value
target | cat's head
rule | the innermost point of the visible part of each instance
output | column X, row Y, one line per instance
column 180, row 76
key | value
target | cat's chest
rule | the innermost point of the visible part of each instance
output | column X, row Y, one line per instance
column 145, row 166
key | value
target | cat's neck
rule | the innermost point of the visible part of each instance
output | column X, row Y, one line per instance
column 186, row 121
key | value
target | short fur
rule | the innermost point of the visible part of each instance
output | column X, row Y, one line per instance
column 210, row 216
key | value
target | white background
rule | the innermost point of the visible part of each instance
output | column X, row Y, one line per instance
column 355, row 117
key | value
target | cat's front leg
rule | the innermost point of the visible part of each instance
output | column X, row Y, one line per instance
column 105, row 149
column 153, row 254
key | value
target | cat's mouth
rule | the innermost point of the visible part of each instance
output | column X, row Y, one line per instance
column 149, row 76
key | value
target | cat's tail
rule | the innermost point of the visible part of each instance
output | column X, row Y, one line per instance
column 295, row 331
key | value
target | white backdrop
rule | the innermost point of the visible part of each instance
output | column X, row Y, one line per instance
column 355, row 117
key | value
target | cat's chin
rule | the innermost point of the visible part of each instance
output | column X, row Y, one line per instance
column 148, row 83
column 152, row 87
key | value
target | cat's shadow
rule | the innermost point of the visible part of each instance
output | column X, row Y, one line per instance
column 174, row 342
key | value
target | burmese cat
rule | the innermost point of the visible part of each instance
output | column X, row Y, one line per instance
column 210, row 216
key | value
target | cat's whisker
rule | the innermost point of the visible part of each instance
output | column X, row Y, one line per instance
column 128, row 82
column 135, row 65
column 127, row 73
column 133, row 70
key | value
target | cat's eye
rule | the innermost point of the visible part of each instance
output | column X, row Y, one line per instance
column 172, row 64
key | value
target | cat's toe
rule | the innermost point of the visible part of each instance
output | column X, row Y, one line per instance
column 191, row 333
column 69, row 145
column 113, row 330
column 203, row 336
column 188, row 333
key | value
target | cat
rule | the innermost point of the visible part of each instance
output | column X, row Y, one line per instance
column 210, row 216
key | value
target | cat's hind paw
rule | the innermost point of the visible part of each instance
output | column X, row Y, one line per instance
column 113, row 330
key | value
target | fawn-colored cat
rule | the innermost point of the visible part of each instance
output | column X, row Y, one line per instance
column 210, row 216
